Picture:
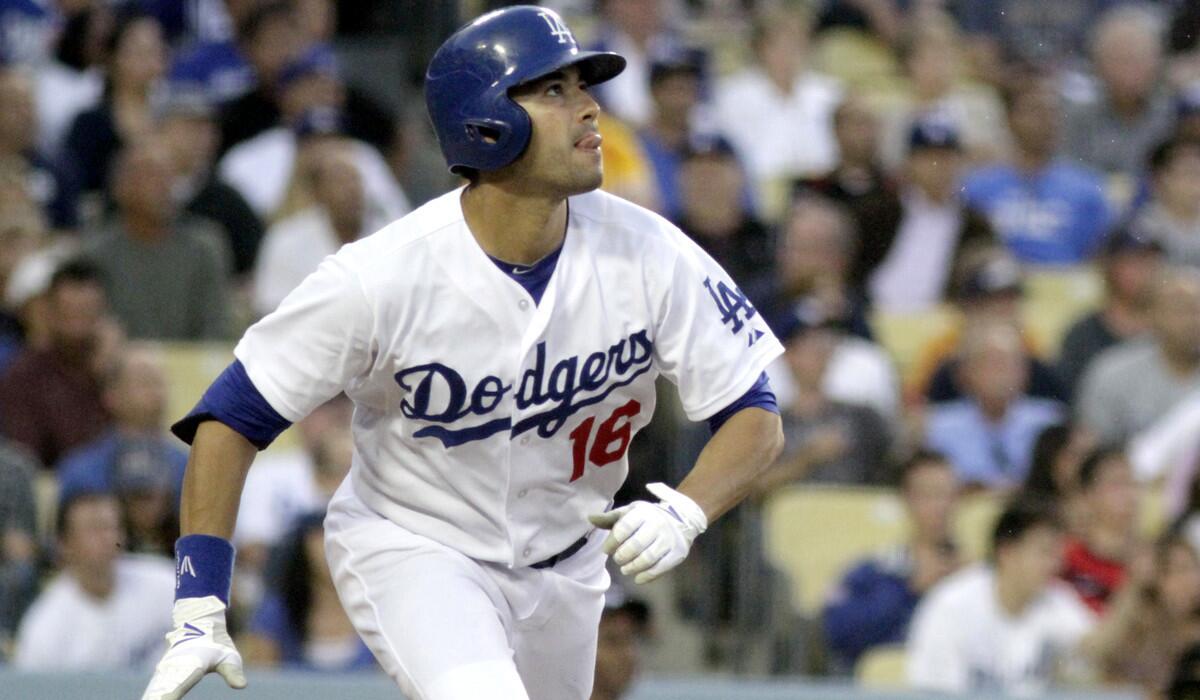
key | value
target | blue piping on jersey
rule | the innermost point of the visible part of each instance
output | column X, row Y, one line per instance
column 233, row 399
column 758, row 396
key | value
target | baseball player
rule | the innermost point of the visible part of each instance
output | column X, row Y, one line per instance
column 500, row 345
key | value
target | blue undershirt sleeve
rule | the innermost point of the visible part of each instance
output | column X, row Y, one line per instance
column 233, row 400
column 758, row 396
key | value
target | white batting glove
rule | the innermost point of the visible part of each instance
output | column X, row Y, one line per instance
column 198, row 645
column 649, row 539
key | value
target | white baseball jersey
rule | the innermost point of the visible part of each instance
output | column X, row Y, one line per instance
column 483, row 420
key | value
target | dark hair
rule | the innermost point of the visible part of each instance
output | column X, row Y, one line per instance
column 289, row 572
column 1020, row 516
column 923, row 458
column 1089, row 468
column 1165, row 153
column 76, row 498
column 1047, row 448
column 75, row 271
column 261, row 16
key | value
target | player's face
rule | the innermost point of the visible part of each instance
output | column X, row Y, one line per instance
column 563, row 157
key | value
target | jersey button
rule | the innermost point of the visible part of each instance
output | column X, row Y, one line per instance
column 522, row 493
column 527, row 551
column 525, row 440
column 523, row 304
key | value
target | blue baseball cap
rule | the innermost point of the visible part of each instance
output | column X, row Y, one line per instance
column 934, row 132
column 318, row 59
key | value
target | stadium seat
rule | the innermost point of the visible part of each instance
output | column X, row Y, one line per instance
column 1055, row 299
column 855, row 57
column 45, row 501
column 882, row 667
column 905, row 336
column 813, row 533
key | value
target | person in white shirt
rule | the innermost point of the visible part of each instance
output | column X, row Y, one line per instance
column 295, row 246
column 104, row 611
column 1011, row 625
column 779, row 112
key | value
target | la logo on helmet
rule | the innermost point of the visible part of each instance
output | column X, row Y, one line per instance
column 557, row 28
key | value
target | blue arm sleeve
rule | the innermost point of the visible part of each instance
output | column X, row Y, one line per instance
column 233, row 400
column 759, row 396
column 871, row 607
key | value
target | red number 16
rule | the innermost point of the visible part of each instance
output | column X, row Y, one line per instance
column 610, row 443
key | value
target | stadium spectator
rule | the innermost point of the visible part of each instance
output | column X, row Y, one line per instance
column 638, row 30
column 166, row 275
column 1172, row 215
column 103, row 611
column 817, row 247
column 1005, row 626
column 859, row 183
column 988, row 434
column 933, row 57
column 829, row 441
column 675, row 82
column 1114, row 129
column 1127, row 387
column 874, row 602
column 269, row 37
column 713, row 214
column 18, row 537
column 50, row 399
column 814, row 256
column 300, row 623
column 51, row 183
column 1096, row 562
column 989, row 286
column 135, row 56
column 295, row 246
column 1164, row 602
column 188, row 131
column 1046, row 210
column 1130, row 261
column 624, row 624
column 779, row 111
column 935, row 229
column 135, row 458
column 1168, row 452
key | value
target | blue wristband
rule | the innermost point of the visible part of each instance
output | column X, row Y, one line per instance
column 203, row 567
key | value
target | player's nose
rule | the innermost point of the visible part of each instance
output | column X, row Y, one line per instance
column 589, row 109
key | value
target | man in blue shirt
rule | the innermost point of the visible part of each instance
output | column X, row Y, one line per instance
column 1046, row 210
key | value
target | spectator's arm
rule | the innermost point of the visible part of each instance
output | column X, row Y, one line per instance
column 869, row 608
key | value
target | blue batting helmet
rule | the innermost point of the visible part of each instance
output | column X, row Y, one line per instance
column 467, row 83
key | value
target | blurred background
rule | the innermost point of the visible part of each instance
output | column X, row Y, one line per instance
column 974, row 223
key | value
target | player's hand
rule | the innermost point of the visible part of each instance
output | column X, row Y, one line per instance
column 199, row 644
column 649, row 539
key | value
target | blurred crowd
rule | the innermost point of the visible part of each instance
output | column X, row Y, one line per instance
column 171, row 169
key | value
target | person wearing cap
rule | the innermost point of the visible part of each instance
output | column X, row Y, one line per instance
column 188, row 130
column 989, row 286
column 1173, row 213
column 988, row 434
column 675, row 88
column 1130, row 260
column 313, row 103
column 712, row 213
column 779, row 111
column 936, row 227
column 636, row 29
column 1130, row 386
column 1046, row 210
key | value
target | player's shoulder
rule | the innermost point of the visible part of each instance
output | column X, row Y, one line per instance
column 615, row 221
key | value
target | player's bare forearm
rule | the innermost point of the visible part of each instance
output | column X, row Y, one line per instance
column 734, row 458
column 212, row 485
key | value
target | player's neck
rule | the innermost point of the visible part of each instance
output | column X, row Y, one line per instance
column 513, row 226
